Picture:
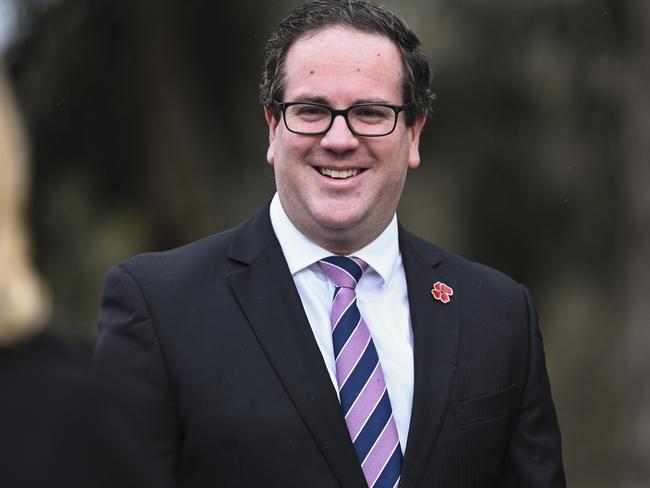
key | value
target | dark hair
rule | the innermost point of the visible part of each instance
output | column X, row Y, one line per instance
column 361, row 15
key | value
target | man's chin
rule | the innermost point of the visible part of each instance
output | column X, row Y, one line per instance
column 341, row 224
column 343, row 235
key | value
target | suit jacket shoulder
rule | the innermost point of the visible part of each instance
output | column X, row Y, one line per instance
column 457, row 265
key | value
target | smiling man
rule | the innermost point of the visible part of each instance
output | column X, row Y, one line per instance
column 319, row 344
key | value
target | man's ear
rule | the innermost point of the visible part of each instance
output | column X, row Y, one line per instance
column 271, row 121
column 414, row 132
column 273, row 127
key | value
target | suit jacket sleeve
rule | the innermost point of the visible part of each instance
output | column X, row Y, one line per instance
column 129, row 353
column 534, row 457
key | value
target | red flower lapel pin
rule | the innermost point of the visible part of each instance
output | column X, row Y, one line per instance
column 442, row 292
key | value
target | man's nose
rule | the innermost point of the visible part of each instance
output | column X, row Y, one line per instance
column 339, row 138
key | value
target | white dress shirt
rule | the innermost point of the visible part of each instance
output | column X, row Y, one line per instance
column 382, row 299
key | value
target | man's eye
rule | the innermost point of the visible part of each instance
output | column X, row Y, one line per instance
column 371, row 113
column 311, row 112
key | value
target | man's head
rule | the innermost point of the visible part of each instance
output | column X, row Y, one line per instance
column 339, row 170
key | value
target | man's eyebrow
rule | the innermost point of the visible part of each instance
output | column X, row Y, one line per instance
column 324, row 101
column 310, row 99
column 371, row 100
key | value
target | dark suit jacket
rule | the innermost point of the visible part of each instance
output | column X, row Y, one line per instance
column 239, row 395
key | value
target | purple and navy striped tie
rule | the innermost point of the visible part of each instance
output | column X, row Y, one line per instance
column 362, row 388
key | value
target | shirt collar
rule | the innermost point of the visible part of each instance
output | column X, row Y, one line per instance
column 382, row 254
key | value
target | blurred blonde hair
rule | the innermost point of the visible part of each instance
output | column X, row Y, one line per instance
column 24, row 305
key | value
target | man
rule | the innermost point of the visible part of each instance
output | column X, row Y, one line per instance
column 268, row 366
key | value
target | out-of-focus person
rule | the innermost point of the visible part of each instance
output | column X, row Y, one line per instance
column 23, row 301
column 57, row 425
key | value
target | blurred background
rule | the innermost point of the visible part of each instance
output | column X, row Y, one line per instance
column 145, row 133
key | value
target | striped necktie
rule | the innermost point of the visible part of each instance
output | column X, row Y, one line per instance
column 362, row 388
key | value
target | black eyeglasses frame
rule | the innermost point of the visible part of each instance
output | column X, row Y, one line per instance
column 336, row 112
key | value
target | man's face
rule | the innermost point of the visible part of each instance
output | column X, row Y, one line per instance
column 339, row 66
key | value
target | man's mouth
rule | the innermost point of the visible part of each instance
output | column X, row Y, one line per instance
column 339, row 173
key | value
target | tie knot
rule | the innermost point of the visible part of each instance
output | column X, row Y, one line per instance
column 344, row 272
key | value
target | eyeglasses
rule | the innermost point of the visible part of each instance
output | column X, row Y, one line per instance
column 363, row 119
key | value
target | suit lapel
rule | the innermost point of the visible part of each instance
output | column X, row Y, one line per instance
column 436, row 331
column 267, row 295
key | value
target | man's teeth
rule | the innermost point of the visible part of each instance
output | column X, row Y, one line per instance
column 335, row 173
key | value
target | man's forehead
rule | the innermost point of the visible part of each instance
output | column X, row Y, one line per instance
column 317, row 38
column 335, row 53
